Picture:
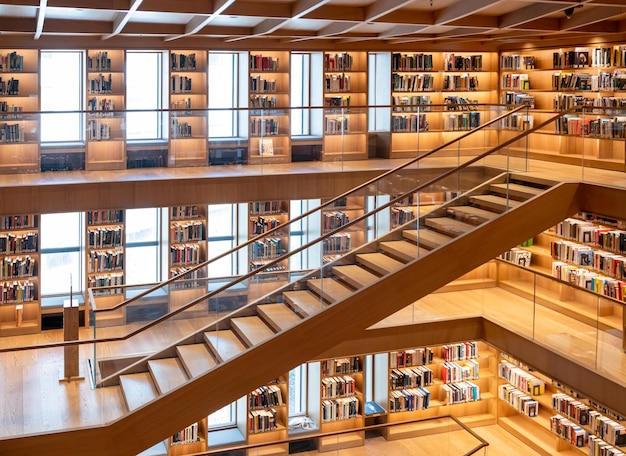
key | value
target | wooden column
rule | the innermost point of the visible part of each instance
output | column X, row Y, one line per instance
column 71, row 369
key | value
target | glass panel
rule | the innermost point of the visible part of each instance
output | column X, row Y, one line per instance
column 144, row 92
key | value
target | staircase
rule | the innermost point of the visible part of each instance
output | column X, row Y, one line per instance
column 234, row 340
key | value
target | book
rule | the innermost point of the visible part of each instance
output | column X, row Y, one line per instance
column 19, row 315
column 266, row 146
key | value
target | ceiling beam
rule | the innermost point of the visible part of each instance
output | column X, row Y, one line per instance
column 41, row 16
column 197, row 23
column 462, row 9
column 582, row 17
column 121, row 19
column 531, row 13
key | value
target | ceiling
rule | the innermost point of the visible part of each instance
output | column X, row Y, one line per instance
column 309, row 24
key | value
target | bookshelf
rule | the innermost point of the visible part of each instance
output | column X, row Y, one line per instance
column 337, row 215
column 19, row 252
column 19, row 96
column 105, row 134
column 461, row 82
column 267, row 417
column 269, row 129
column 104, row 261
column 187, row 240
column 263, row 216
column 591, row 76
column 345, row 95
column 188, row 99
column 191, row 439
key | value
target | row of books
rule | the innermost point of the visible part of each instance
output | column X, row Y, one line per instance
column 454, row 372
column 182, row 62
column 400, row 216
column 609, row 128
column 454, row 62
column 341, row 366
column 13, row 267
column 260, row 224
column 338, row 386
column 460, row 82
column 265, row 396
column 455, row 103
column 336, row 125
column 341, row 408
column 460, row 351
column 572, row 408
column 98, row 62
column 180, row 129
column 410, row 377
column 408, row 400
column 517, row 256
column 185, row 254
column 261, row 85
column 590, row 233
column 260, row 264
column 606, row 56
column 518, row 377
column 12, row 133
column 411, row 62
column 266, row 249
column 188, row 279
column 598, row 447
column 456, row 393
column 184, row 212
column 520, row 401
column 608, row 263
column 409, row 124
column 517, row 98
column 13, row 222
column 100, row 84
column 12, row 62
column 17, row 291
column 518, row 122
column 10, row 87
column 182, row 105
column 264, row 127
column 187, row 435
column 11, row 243
column 412, row 82
column 187, row 231
column 262, row 420
column 98, row 130
column 106, row 280
column 590, row 280
column 262, row 101
column 338, row 62
column 337, row 83
column 569, row 430
column 571, row 59
column 408, row 103
column 100, row 261
column 265, row 207
column 105, row 237
column 101, row 105
column 180, row 84
column 342, row 101
column 334, row 219
column 258, row 62
column 517, row 62
column 6, row 107
column 516, row 81
column 337, row 243
column 466, row 121
column 414, row 357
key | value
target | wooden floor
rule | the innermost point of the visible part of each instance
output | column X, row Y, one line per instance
column 34, row 401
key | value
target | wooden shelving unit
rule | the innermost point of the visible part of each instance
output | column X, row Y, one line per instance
column 188, row 102
column 105, row 134
column 19, row 95
column 104, row 259
column 270, row 131
column 345, row 118
column 267, row 417
column 342, row 212
column 20, row 310
column 263, row 216
column 190, row 440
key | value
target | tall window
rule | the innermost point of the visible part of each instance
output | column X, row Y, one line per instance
column 223, row 94
column 62, row 251
column 298, row 390
column 302, row 232
column 306, row 75
column 144, row 91
column 221, row 234
column 379, row 81
column 62, row 89
column 143, row 255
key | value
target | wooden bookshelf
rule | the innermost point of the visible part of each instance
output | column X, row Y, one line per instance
column 269, row 128
column 345, row 95
column 267, row 417
column 188, row 247
column 105, row 130
column 342, row 212
column 20, row 310
column 104, row 261
column 263, row 216
column 192, row 439
column 19, row 100
column 188, row 102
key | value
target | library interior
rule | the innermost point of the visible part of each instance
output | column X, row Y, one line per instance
column 347, row 227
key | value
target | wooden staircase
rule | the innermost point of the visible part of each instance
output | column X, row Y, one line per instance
column 261, row 321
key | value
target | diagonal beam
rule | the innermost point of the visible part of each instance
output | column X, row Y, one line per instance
column 462, row 9
column 122, row 19
column 582, row 17
column 41, row 15
column 530, row 13
column 197, row 23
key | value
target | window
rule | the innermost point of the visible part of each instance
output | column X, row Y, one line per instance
column 62, row 89
column 297, row 390
column 144, row 91
column 62, row 252
column 223, row 94
column 379, row 81
column 143, row 259
column 221, row 235
column 224, row 417
column 302, row 232
column 306, row 72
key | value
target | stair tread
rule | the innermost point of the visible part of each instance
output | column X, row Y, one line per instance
column 196, row 358
column 449, row 226
column 379, row 262
column 168, row 373
column 138, row 389
column 471, row 214
column 304, row 302
column 224, row 343
column 427, row 238
column 404, row 250
column 494, row 202
column 251, row 329
column 518, row 190
column 355, row 275
column 279, row 316
column 332, row 290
